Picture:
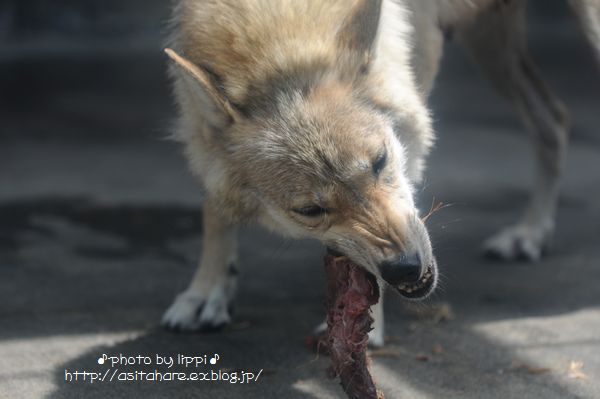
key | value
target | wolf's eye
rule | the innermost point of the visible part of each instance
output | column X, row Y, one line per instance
column 379, row 163
column 311, row 211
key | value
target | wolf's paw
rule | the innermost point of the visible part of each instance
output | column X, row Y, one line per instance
column 194, row 310
column 519, row 242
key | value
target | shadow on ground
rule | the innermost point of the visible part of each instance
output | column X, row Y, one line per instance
column 120, row 297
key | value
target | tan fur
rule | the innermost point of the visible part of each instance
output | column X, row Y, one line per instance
column 246, row 41
column 286, row 105
column 588, row 14
column 201, row 78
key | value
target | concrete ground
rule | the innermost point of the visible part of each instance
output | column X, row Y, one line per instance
column 100, row 227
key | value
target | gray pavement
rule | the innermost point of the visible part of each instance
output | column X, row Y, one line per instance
column 100, row 227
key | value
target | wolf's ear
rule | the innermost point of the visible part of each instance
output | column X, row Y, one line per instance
column 222, row 111
column 359, row 30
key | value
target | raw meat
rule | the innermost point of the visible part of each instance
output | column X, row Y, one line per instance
column 351, row 291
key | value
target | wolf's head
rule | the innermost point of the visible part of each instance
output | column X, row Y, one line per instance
column 327, row 156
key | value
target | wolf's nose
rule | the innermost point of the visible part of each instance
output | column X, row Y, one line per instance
column 405, row 269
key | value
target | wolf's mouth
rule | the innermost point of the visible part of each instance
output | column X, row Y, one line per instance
column 421, row 288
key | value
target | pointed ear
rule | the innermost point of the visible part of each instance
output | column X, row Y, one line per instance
column 207, row 89
column 359, row 31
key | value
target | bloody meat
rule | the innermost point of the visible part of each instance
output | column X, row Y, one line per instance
column 351, row 291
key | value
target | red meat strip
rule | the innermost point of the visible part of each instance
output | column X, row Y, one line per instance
column 351, row 291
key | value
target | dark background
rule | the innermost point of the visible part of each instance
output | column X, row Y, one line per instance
column 100, row 227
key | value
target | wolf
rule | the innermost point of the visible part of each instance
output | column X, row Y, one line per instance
column 310, row 118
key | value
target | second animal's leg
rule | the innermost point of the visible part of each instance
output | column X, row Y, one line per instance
column 206, row 303
column 496, row 41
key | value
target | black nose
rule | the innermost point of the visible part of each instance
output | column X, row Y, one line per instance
column 405, row 269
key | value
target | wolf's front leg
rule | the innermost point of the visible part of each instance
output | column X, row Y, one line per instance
column 377, row 334
column 206, row 303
